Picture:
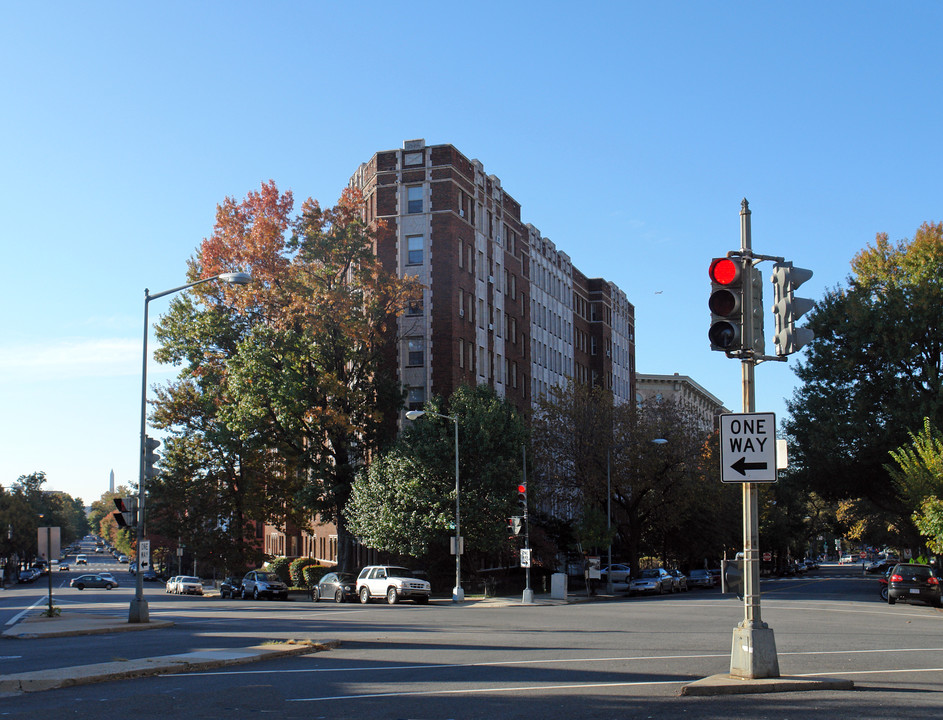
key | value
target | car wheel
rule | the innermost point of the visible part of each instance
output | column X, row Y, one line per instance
column 245, row 595
column 364, row 595
column 339, row 596
column 80, row 586
column 661, row 589
column 391, row 597
column 315, row 594
column 255, row 594
column 884, row 593
column 891, row 599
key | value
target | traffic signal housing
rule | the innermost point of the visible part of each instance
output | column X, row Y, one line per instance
column 522, row 498
column 726, row 304
column 151, row 456
column 127, row 511
column 787, row 308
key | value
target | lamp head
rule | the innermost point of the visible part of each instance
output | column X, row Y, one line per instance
column 235, row 278
column 415, row 414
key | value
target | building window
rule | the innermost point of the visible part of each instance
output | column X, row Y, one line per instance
column 414, row 250
column 416, row 351
column 461, row 254
column 461, row 354
column 416, row 398
column 414, row 199
column 414, row 158
column 414, row 308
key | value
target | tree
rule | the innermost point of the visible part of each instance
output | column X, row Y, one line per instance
column 873, row 371
column 286, row 378
column 919, row 478
column 405, row 502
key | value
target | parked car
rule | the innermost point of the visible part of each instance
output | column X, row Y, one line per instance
column 701, row 578
column 171, row 585
column 27, row 576
column 392, row 582
column 189, row 585
column 92, row 581
column 341, row 586
column 651, row 581
column 680, row 583
column 231, row 587
column 81, row 560
column 909, row 581
column 620, row 573
column 260, row 583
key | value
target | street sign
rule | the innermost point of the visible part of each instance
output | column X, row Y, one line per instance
column 767, row 557
column 525, row 557
column 144, row 555
column 748, row 448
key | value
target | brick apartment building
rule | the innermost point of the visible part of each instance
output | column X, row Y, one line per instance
column 502, row 305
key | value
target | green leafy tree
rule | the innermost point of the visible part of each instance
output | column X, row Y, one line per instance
column 404, row 502
column 873, row 371
column 918, row 474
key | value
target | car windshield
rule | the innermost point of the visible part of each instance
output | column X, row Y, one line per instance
column 649, row 573
column 345, row 577
column 920, row 571
column 266, row 576
column 189, row 579
column 398, row 572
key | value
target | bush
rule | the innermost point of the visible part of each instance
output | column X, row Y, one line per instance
column 313, row 574
column 281, row 567
column 296, row 569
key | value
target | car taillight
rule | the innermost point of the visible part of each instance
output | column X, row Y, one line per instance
column 932, row 581
column 897, row 578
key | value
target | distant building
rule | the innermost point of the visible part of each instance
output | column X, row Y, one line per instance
column 681, row 389
column 502, row 305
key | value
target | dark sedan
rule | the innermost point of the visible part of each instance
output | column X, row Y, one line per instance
column 909, row 581
column 231, row 587
column 341, row 586
column 92, row 581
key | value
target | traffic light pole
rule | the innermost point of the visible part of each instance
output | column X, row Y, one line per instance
column 528, row 597
column 753, row 652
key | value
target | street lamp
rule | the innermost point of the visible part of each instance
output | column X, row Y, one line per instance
column 656, row 441
column 458, row 594
column 138, row 612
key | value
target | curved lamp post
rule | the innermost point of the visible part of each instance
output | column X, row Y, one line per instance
column 138, row 612
column 458, row 594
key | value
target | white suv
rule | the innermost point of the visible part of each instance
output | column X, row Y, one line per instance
column 394, row 583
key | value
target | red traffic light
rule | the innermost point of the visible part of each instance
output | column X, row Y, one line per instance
column 724, row 271
column 522, row 489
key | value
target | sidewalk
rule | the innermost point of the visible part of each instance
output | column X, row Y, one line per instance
column 88, row 624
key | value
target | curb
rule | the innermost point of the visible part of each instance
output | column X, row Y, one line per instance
column 146, row 667
column 730, row 685
column 32, row 628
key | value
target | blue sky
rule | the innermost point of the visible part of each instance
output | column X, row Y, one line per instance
column 629, row 132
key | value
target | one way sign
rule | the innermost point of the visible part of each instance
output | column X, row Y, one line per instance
column 748, row 447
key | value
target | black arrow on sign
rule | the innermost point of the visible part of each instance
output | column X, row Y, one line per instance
column 741, row 466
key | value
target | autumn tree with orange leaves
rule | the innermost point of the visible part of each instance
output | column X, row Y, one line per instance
column 286, row 374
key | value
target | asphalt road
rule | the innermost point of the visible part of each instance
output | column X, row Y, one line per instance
column 619, row 658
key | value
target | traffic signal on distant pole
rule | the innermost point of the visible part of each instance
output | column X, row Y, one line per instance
column 127, row 511
column 787, row 308
column 151, row 456
column 522, row 498
column 726, row 304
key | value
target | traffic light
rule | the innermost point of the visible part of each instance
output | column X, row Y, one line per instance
column 726, row 304
column 758, row 312
column 787, row 308
column 731, row 577
column 127, row 511
column 522, row 498
column 151, row 456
